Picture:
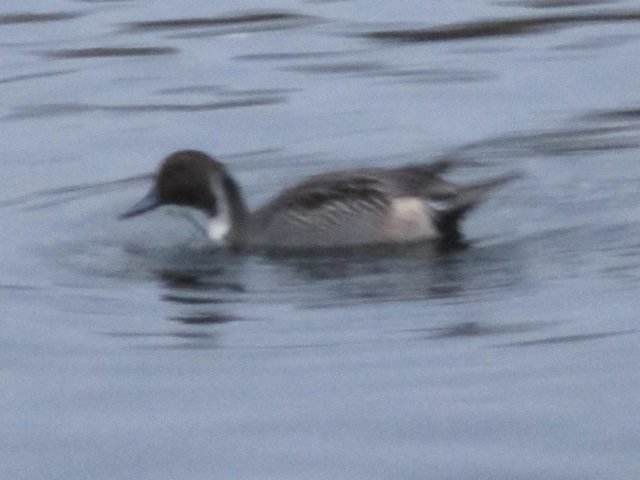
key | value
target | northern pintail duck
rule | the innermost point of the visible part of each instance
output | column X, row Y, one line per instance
column 365, row 206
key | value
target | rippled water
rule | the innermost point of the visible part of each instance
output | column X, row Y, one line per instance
column 136, row 350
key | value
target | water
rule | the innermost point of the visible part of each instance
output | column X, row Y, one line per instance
column 135, row 350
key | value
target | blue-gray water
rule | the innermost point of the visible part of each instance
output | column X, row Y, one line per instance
column 134, row 350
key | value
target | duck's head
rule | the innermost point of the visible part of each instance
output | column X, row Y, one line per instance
column 190, row 178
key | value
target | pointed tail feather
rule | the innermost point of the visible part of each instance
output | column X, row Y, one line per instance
column 467, row 198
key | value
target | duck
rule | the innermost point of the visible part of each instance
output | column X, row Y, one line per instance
column 348, row 208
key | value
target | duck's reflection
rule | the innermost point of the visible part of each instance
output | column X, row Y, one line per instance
column 205, row 318
column 211, row 292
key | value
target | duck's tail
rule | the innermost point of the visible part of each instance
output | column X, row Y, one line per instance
column 468, row 197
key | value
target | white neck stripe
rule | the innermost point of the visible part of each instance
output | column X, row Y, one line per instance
column 220, row 225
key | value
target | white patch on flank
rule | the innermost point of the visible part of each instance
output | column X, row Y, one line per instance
column 218, row 229
column 410, row 218
column 220, row 225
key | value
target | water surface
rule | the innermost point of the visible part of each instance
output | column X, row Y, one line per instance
column 136, row 350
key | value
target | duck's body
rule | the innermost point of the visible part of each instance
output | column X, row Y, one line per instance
column 339, row 209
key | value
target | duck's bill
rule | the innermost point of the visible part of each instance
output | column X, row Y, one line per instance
column 148, row 203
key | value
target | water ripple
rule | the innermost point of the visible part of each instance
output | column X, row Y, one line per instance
column 540, row 4
column 555, row 142
column 16, row 18
column 210, row 318
column 568, row 338
column 620, row 114
column 57, row 109
column 244, row 22
column 97, row 52
column 34, row 76
column 499, row 27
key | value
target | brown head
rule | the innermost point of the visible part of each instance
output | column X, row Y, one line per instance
column 188, row 178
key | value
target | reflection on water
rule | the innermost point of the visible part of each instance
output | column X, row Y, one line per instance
column 169, row 341
column 182, row 280
column 205, row 319
column 475, row 329
column 421, row 272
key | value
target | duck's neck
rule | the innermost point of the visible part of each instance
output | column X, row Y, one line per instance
column 228, row 225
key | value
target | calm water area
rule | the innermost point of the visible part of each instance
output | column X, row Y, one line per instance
column 137, row 350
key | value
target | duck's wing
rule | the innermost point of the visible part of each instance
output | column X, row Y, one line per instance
column 340, row 209
column 361, row 185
